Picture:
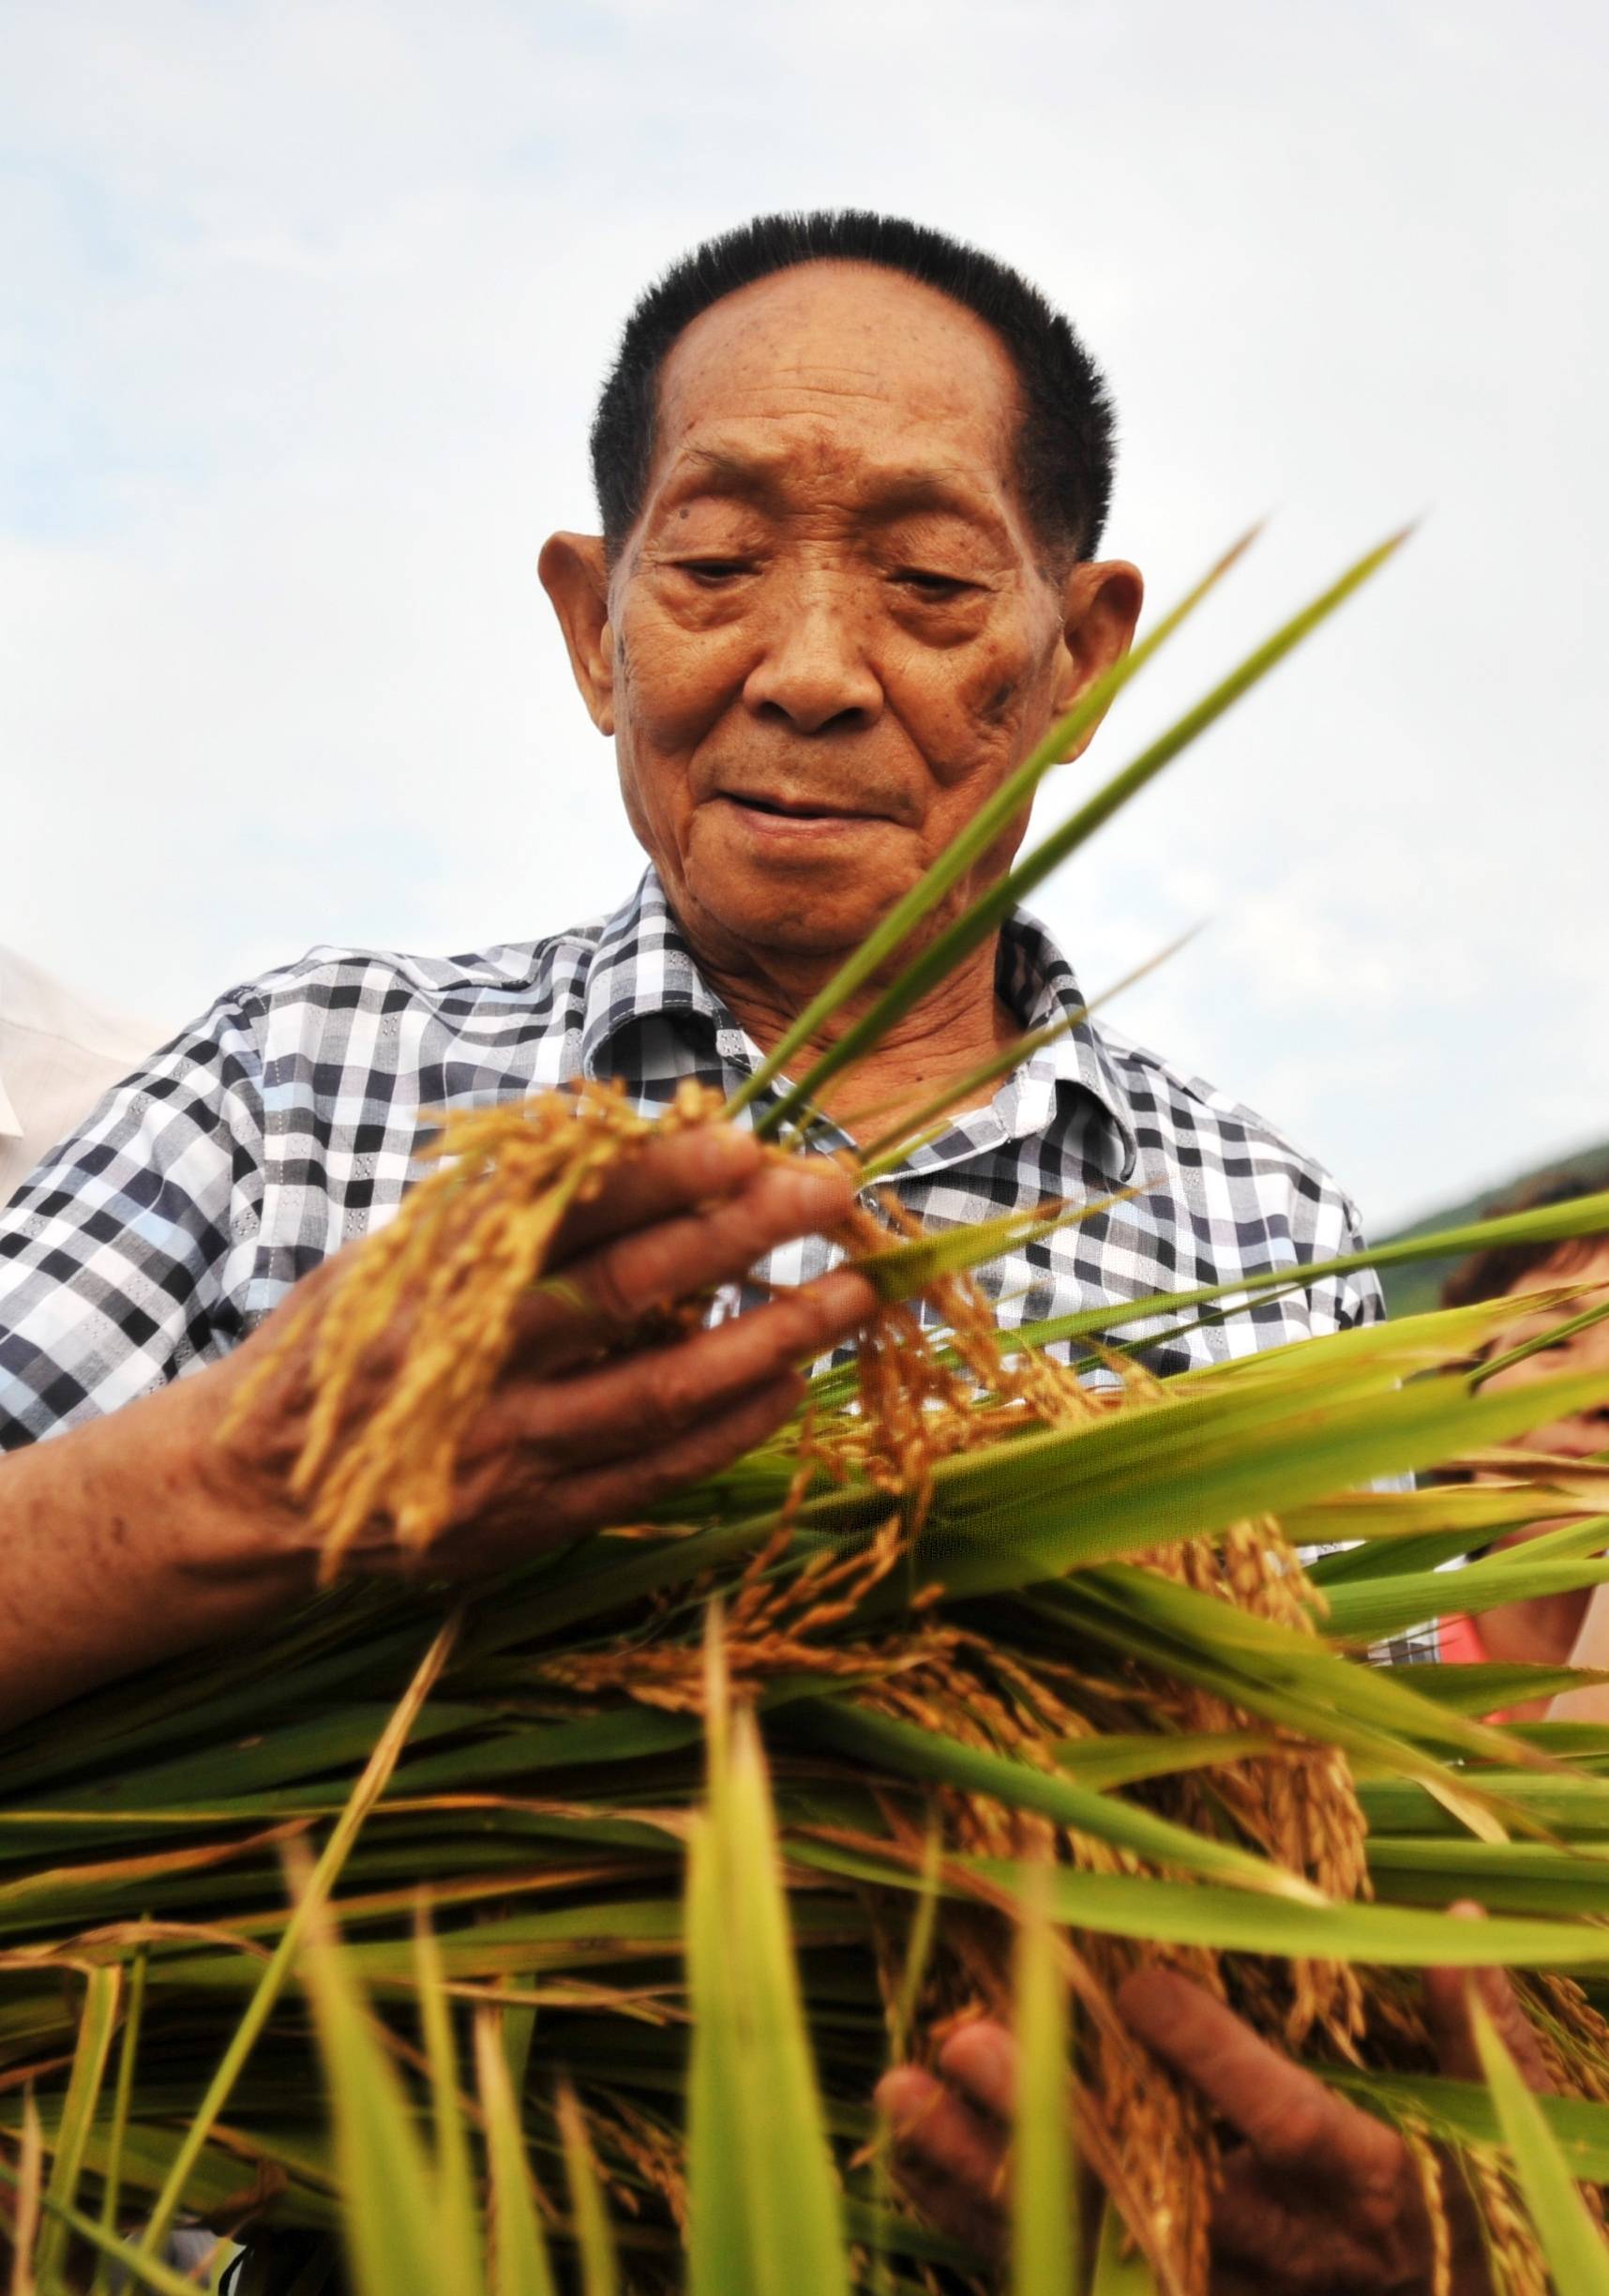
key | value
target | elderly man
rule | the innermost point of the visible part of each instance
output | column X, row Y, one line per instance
column 852, row 480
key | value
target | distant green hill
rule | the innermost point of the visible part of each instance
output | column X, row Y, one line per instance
column 1410, row 1289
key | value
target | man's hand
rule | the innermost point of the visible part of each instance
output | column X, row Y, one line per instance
column 575, row 1435
column 1319, row 2199
column 142, row 1534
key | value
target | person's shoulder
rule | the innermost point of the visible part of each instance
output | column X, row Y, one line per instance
column 1185, row 1117
column 332, row 977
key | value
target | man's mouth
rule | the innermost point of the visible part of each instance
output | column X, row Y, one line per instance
column 800, row 811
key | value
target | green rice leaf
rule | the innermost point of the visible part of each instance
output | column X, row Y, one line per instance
column 1496, row 1682
column 1586, row 1215
column 97, row 2023
column 915, row 1753
column 128, row 2055
column 594, row 2244
column 146, row 2271
column 900, row 1271
column 1043, row 2184
column 365, row 1794
column 30, row 2179
column 890, row 1148
column 1463, row 2112
column 1367, row 1613
column 1240, row 1921
column 457, row 2236
column 766, row 2211
column 1117, row 2273
column 520, row 2263
column 1140, row 1478
column 392, row 2215
column 1120, row 1758
column 1572, row 2243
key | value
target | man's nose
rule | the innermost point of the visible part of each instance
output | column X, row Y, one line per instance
column 813, row 671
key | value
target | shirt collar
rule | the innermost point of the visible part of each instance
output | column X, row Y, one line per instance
column 1041, row 988
column 643, row 968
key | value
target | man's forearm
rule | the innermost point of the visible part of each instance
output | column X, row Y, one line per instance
column 116, row 1551
column 144, row 1534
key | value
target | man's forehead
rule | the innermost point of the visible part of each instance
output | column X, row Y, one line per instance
column 836, row 332
column 843, row 369
column 766, row 462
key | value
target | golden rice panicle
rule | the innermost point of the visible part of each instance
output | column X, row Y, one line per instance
column 411, row 1335
column 1427, row 2165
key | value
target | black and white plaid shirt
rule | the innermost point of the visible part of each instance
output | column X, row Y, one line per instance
column 287, row 1119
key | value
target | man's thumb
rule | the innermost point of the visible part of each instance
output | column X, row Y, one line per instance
column 1448, row 1994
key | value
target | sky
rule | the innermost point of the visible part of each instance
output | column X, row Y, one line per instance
column 303, row 308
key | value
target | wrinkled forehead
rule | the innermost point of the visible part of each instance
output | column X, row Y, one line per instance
column 835, row 364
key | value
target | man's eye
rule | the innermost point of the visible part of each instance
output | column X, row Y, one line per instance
column 714, row 569
column 930, row 585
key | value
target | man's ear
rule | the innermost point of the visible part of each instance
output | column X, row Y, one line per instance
column 575, row 574
column 1100, row 605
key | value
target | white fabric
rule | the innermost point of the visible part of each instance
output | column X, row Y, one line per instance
column 57, row 1056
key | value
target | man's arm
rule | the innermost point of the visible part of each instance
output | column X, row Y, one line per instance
column 135, row 1537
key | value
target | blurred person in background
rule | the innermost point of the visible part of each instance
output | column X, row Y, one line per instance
column 1569, row 1629
column 58, row 1055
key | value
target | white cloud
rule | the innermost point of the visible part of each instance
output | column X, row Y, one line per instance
column 303, row 309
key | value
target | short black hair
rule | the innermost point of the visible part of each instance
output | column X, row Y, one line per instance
column 1066, row 443
column 1488, row 1274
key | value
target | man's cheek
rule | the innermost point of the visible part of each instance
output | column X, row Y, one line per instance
column 673, row 683
column 982, row 717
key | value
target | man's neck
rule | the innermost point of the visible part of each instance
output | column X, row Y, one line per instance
column 962, row 1024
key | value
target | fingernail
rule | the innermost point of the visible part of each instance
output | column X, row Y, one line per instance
column 844, row 1297
column 725, row 1150
column 820, row 1179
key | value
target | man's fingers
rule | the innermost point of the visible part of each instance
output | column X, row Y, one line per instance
column 640, row 1402
column 1447, row 1998
column 951, row 2208
column 938, row 2139
column 1252, row 2225
column 668, row 1175
column 620, row 1492
column 599, row 1297
column 980, row 2059
column 502, row 1524
column 1288, row 2117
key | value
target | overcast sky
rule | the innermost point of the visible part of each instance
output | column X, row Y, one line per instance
column 302, row 310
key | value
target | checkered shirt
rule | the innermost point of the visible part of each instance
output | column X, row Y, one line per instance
column 289, row 1118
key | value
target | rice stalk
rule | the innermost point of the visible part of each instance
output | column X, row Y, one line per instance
column 962, row 1574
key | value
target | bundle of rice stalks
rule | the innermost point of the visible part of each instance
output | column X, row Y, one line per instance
column 992, row 1621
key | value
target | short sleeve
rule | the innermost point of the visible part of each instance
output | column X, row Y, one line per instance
column 125, row 1256
column 1341, row 1301
column 1358, row 1297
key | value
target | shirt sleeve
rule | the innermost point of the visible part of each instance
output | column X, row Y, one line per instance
column 1360, row 1298
column 124, row 1256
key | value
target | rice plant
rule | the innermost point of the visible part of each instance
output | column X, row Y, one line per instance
column 1041, row 1679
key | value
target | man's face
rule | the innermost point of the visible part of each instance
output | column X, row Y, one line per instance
column 832, row 634
column 1583, row 1350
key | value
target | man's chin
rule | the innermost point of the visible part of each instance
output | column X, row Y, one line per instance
column 810, row 921
column 808, row 888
